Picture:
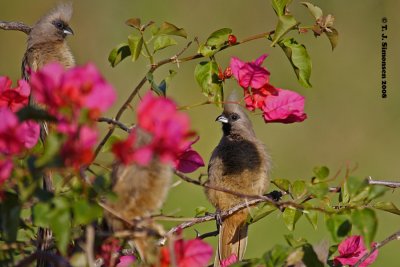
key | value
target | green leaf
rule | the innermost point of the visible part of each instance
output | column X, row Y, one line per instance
column 214, row 42
column 310, row 257
column 333, row 37
column 376, row 191
column 60, row 223
column 52, row 147
column 260, row 212
column 134, row 22
column 219, row 37
column 298, row 189
column 110, row 142
column 311, row 215
column 164, row 84
column 366, row 222
column 354, row 185
column 295, row 243
column 206, row 74
column 163, row 41
column 118, row 54
column 10, row 208
column 338, row 225
column 85, row 212
column 319, row 190
column 276, row 256
column 321, row 172
column 285, row 24
column 282, row 184
column 160, row 89
column 135, row 45
column 314, row 10
column 171, row 29
column 386, row 206
column 300, row 60
column 40, row 214
column 200, row 211
column 280, row 6
column 290, row 217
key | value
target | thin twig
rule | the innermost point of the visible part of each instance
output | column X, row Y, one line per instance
column 115, row 122
column 210, row 234
column 395, row 236
column 384, row 183
column 15, row 26
column 133, row 224
column 211, row 216
column 90, row 236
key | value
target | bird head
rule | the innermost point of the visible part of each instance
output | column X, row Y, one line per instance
column 235, row 122
column 52, row 27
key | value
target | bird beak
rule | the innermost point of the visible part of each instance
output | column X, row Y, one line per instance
column 68, row 30
column 222, row 118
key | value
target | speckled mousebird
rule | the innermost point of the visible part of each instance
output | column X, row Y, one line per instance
column 239, row 163
column 140, row 191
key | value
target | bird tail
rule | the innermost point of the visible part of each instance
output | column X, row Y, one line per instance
column 232, row 237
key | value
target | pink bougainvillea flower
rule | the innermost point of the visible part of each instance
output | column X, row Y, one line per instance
column 16, row 136
column 229, row 261
column 167, row 128
column 127, row 152
column 6, row 167
column 76, row 88
column 351, row 250
column 189, row 160
column 250, row 74
column 29, row 133
column 126, row 261
column 190, row 253
column 107, row 250
column 14, row 98
column 78, row 149
column 255, row 98
column 285, row 107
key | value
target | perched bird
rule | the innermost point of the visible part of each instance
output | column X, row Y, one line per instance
column 239, row 163
column 46, row 44
column 46, row 41
column 140, row 191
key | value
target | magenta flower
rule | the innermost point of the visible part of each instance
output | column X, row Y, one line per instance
column 285, row 107
column 81, row 87
column 16, row 136
column 168, row 128
column 14, row 98
column 126, row 261
column 78, row 149
column 351, row 250
column 232, row 259
column 189, row 160
column 255, row 98
column 190, row 253
column 127, row 152
column 250, row 74
column 6, row 167
column 278, row 105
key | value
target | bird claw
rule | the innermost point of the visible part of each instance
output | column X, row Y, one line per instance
column 218, row 219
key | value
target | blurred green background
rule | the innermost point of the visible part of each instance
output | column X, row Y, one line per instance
column 348, row 121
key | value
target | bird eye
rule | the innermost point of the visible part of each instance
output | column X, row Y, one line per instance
column 59, row 25
column 235, row 117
